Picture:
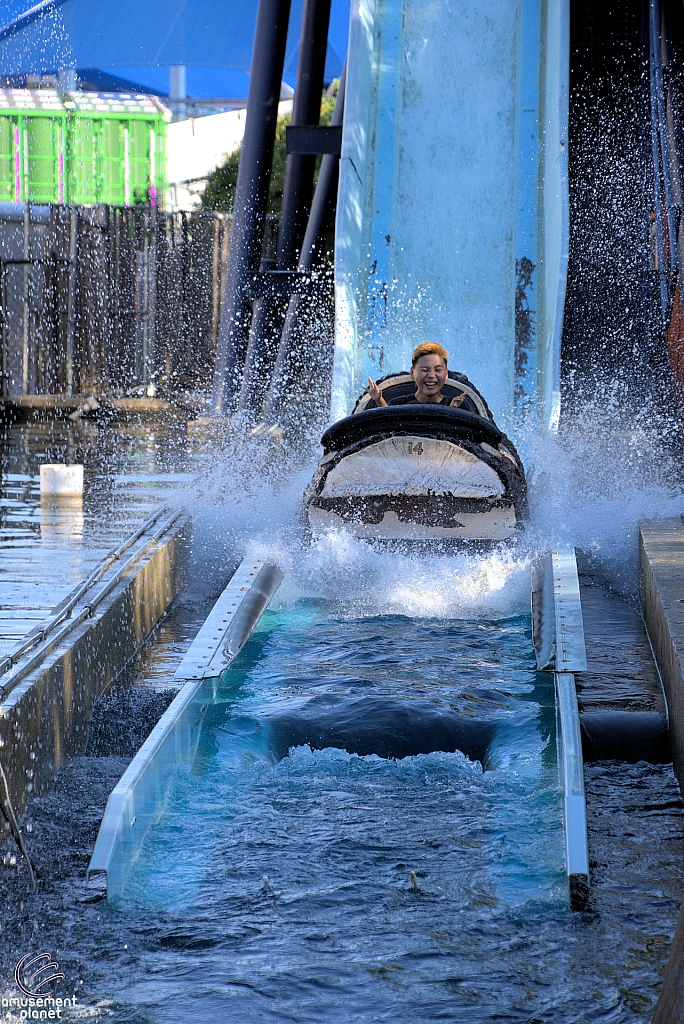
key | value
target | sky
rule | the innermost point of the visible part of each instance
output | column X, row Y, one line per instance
column 138, row 41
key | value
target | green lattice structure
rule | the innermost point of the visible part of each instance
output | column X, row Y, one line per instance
column 80, row 147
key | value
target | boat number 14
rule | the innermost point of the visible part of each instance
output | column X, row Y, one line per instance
column 415, row 449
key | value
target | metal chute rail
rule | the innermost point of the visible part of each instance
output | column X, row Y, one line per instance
column 138, row 799
column 559, row 644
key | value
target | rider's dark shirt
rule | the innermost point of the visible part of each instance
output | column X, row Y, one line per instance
column 412, row 400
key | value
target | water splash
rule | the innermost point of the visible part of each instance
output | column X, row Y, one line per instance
column 594, row 482
column 40, row 47
column 361, row 579
column 590, row 486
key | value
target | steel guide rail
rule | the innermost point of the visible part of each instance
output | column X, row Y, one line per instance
column 49, row 635
column 559, row 642
column 137, row 801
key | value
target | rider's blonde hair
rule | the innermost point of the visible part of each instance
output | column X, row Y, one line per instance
column 429, row 348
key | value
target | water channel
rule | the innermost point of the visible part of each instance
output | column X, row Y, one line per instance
column 323, row 884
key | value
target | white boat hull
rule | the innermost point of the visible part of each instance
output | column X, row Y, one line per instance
column 498, row 524
column 411, row 487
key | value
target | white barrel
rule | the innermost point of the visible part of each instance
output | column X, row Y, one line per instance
column 61, row 481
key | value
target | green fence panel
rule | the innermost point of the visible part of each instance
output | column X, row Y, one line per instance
column 159, row 171
column 139, row 161
column 45, row 154
column 113, row 176
column 81, row 148
column 85, row 161
column 7, row 126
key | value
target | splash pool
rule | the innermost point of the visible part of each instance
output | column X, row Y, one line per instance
column 279, row 887
column 306, row 860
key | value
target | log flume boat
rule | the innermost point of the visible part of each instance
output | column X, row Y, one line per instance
column 418, row 472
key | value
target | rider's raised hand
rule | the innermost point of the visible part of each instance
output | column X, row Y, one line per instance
column 374, row 391
column 458, row 401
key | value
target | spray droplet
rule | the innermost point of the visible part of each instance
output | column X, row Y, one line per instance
column 414, row 880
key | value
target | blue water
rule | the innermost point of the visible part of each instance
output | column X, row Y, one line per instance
column 48, row 546
column 280, row 890
column 288, row 881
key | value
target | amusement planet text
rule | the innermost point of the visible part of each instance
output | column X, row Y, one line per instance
column 38, row 1008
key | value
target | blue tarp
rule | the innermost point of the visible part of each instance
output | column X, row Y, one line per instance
column 202, row 34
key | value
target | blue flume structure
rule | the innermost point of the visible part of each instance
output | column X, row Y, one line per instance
column 452, row 221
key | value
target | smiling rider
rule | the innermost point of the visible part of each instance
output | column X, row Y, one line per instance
column 429, row 371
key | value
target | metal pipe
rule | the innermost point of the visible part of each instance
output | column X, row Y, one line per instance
column 3, row 299
column 153, row 272
column 657, row 194
column 656, row 55
column 270, row 312
column 25, row 306
column 264, row 338
column 215, row 275
column 289, row 359
column 251, row 197
column 71, row 297
column 145, row 296
column 38, row 10
column 649, row 343
column 325, row 189
column 306, row 109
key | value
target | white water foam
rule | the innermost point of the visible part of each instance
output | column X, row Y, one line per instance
column 590, row 486
column 594, row 482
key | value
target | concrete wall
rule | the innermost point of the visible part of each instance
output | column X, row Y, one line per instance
column 44, row 719
column 661, row 558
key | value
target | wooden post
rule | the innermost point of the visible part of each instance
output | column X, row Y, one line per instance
column 670, row 1006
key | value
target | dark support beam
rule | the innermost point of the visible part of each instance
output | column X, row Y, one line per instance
column 306, row 110
column 261, row 353
column 270, row 311
column 310, row 139
column 326, row 189
column 291, row 358
column 270, row 283
column 251, row 198
column 39, row 10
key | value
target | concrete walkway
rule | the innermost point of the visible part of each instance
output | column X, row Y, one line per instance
column 661, row 555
